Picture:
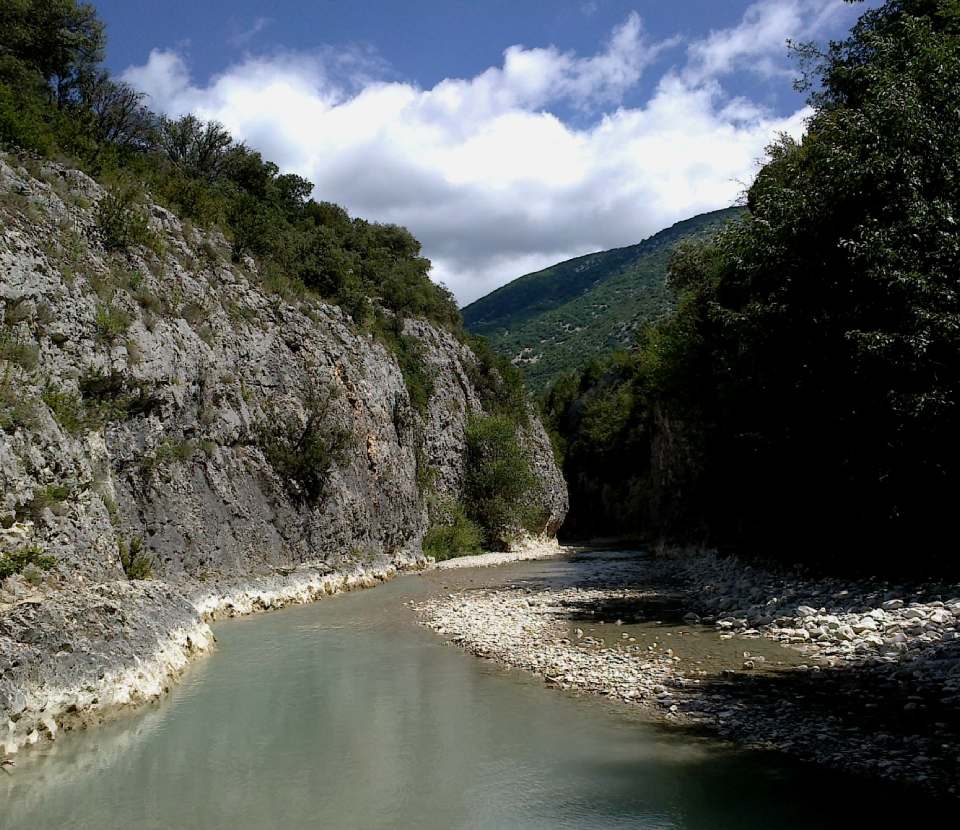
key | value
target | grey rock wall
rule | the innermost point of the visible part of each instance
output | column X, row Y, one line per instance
column 140, row 394
column 185, row 363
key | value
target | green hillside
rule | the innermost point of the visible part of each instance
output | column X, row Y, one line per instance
column 559, row 318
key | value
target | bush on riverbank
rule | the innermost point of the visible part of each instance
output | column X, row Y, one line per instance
column 498, row 481
column 452, row 534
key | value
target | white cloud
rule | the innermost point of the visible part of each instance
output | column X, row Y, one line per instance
column 532, row 78
column 491, row 180
column 757, row 42
column 164, row 77
column 242, row 37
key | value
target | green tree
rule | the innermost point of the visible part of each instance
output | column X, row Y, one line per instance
column 804, row 397
column 117, row 114
column 62, row 40
column 498, row 482
column 830, row 315
column 198, row 148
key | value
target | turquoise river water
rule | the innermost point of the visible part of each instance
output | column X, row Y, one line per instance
column 347, row 714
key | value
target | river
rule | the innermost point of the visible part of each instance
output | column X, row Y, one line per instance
column 347, row 714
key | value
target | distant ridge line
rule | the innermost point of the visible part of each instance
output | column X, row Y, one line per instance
column 560, row 317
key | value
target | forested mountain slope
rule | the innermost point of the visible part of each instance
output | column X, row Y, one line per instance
column 558, row 319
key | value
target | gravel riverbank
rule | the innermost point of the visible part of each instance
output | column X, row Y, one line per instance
column 530, row 549
column 861, row 675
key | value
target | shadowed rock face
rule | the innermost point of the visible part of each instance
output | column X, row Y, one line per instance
column 181, row 365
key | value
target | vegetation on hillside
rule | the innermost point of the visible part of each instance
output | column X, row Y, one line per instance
column 56, row 100
column 555, row 320
column 26, row 560
column 803, row 400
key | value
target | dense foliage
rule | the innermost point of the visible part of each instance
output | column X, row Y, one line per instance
column 303, row 454
column 554, row 320
column 803, row 401
column 499, row 483
column 55, row 99
column 453, row 534
column 498, row 383
column 500, row 488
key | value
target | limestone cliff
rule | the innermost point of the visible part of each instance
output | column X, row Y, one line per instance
column 153, row 407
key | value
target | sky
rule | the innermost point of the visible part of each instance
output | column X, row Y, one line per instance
column 507, row 136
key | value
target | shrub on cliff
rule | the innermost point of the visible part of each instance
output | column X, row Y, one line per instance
column 122, row 221
column 135, row 563
column 16, row 410
column 409, row 355
column 498, row 383
column 302, row 454
column 22, row 559
column 498, row 481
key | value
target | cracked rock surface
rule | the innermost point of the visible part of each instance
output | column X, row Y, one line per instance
column 136, row 391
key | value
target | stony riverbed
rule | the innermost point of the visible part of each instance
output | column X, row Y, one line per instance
column 860, row 675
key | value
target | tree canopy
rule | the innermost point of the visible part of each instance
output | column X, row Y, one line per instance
column 804, row 395
column 55, row 98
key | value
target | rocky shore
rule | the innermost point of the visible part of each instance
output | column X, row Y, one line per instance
column 538, row 547
column 77, row 656
column 860, row 675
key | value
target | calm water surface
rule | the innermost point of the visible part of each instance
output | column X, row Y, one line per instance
column 345, row 714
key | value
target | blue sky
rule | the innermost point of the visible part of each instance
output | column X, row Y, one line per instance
column 423, row 41
column 506, row 135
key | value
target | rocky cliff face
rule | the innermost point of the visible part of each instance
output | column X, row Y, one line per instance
column 159, row 404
